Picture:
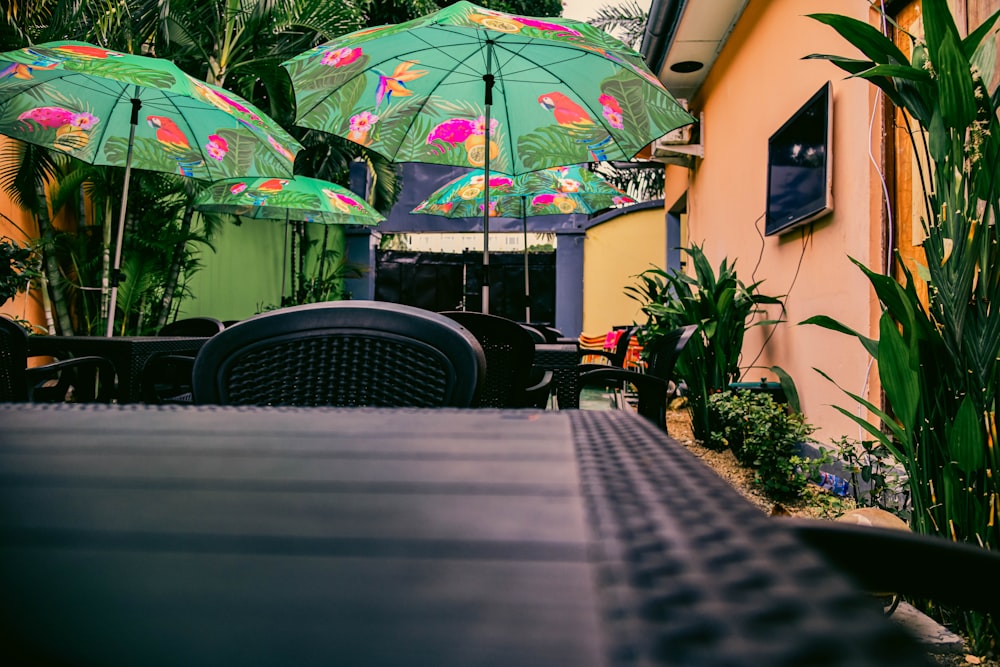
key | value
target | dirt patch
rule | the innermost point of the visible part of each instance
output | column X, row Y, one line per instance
column 815, row 503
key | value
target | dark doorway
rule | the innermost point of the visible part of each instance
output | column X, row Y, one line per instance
column 451, row 281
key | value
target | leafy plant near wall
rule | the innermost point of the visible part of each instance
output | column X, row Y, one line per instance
column 721, row 305
column 764, row 436
column 938, row 360
column 19, row 265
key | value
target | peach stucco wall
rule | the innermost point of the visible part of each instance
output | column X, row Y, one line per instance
column 759, row 80
column 614, row 252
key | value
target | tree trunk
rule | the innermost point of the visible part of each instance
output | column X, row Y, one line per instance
column 53, row 272
column 174, row 273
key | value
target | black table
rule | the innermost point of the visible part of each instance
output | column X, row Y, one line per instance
column 129, row 354
column 563, row 359
column 167, row 535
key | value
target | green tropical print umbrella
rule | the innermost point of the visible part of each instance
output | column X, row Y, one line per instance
column 475, row 87
column 300, row 198
column 76, row 98
column 559, row 91
column 552, row 191
column 111, row 108
column 296, row 201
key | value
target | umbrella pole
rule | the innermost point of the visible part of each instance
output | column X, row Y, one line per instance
column 115, row 270
column 527, row 280
column 284, row 259
column 488, row 80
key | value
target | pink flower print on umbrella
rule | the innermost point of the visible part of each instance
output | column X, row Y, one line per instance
column 280, row 148
column 545, row 26
column 48, row 117
column 496, row 180
column 361, row 125
column 217, row 147
column 341, row 202
column 238, row 188
column 449, row 134
column 612, row 111
column 341, row 57
column 569, row 185
column 85, row 121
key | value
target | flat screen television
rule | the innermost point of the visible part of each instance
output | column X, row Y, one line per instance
column 799, row 170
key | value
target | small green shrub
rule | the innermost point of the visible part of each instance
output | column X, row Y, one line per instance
column 765, row 436
column 875, row 481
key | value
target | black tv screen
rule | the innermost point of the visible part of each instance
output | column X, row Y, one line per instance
column 799, row 176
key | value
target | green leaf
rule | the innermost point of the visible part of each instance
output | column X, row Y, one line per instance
column 897, row 72
column 899, row 378
column 788, row 386
column 870, row 344
column 957, row 98
column 938, row 141
column 965, row 438
column 974, row 41
column 866, row 38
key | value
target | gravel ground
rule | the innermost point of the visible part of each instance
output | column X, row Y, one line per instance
column 815, row 504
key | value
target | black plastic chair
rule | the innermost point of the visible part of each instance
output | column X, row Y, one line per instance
column 882, row 559
column 536, row 335
column 343, row 353
column 548, row 334
column 653, row 386
column 512, row 380
column 192, row 326
column 78, row 379
column 166, row 378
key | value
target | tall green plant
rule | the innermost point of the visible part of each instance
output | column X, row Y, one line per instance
column 721, row 305
column 938, row 360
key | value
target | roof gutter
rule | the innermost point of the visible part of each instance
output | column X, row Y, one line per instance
column 661, row 28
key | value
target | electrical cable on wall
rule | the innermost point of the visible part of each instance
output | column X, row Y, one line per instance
column 890, row 226
column 806, row 237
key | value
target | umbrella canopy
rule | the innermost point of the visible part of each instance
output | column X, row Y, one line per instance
column 296, row 201
column 470, row 86
column 552, row 191
column 111, row 108
column 299, row 198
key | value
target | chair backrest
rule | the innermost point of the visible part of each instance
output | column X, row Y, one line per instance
column 615, row 357
column 662, row 353
column 536, row 335
column 192, row 326
column 510, row 353
column 13, row 361
column 548, row 334
column 343, row 353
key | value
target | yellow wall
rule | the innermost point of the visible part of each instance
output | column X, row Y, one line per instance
column 759, row 80
column 614, row 252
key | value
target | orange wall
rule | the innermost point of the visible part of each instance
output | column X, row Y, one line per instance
column 15, row 224
column 759, row 80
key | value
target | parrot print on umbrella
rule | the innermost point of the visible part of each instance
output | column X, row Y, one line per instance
column 176, row 143
column 556, row 91
column 576, row 121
